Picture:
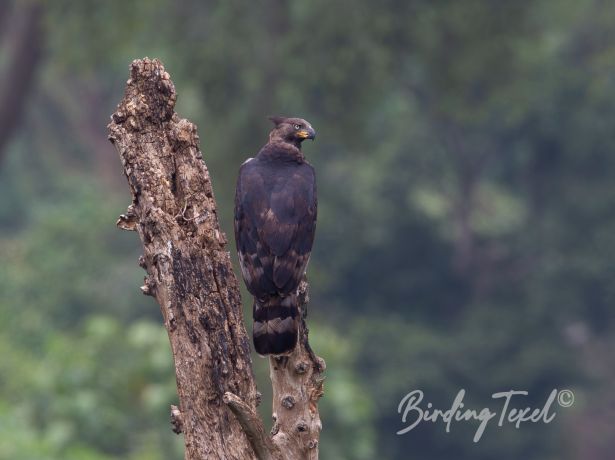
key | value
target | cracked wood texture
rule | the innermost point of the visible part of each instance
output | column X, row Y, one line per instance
column 189, row 271
column 297, row 386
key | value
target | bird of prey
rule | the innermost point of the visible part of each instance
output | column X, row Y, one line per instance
column 275, row 221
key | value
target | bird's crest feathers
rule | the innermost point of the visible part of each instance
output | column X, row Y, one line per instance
column 277, row 120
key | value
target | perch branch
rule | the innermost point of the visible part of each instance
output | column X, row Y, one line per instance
column 297, row 386
column 264, row 448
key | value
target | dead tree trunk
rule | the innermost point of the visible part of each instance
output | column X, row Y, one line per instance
column 190, row 275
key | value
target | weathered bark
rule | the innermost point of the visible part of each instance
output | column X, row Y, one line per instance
column 297, row 387
column 189, row 271
column 190, row 275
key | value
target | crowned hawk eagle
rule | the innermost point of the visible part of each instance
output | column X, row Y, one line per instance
column 275, row 221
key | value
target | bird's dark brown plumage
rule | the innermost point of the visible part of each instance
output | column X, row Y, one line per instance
column 275, row 221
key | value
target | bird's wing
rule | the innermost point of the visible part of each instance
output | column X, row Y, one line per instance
column 250, row 196
column 290, row 231
column 275, row 220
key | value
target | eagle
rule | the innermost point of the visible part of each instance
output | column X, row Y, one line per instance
column 275, row 222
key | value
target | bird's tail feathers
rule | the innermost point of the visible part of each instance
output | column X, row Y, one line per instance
column 276, row 325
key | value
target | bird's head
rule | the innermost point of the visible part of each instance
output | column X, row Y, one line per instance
column 291, row 130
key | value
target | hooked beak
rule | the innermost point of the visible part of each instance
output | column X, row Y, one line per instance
column 307, row 133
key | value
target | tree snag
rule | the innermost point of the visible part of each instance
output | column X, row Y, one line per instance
column 189, row 273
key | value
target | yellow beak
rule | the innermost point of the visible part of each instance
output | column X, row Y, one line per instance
column 306, row 134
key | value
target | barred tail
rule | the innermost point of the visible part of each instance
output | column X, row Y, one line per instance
column 276, row 325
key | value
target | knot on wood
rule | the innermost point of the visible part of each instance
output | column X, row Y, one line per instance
column 312, row 444
column 301, row 367
column 288, row 402
column 302, row 427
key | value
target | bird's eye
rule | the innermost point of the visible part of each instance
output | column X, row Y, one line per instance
column 297, row 126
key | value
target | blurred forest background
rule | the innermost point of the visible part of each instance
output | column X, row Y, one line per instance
column 466, row 231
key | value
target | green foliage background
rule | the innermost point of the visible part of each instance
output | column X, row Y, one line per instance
column 466, row 232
